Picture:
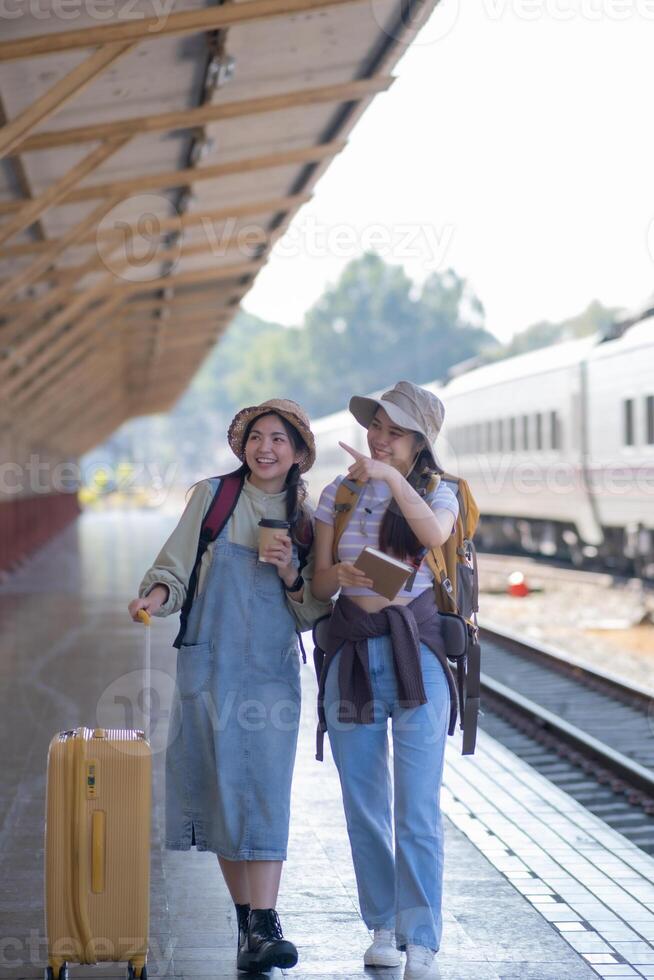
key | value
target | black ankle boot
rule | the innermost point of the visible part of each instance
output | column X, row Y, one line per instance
column 265, row 945
column 242, row 918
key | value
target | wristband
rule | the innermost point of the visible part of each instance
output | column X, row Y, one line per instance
column 296, row 585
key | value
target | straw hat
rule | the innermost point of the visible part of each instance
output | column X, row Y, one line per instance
column 407, row 405
column 288, row 410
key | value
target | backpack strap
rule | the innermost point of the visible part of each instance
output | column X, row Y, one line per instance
column 347, row 496
column 444, row 594
column 472, row 693
column 468, row 668
column 220, row 510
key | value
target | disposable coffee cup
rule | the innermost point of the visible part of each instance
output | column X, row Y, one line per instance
column 268, row 528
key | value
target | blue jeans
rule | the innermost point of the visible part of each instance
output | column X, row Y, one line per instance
column 399, row 887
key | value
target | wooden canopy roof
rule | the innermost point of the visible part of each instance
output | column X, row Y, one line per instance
column 149, row 163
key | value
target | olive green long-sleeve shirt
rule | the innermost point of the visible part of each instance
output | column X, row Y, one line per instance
column 174, row 563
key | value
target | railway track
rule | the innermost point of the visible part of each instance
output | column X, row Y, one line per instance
column 588, row 731
column 550, row 569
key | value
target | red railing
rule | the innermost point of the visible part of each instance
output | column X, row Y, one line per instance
column 27, row 523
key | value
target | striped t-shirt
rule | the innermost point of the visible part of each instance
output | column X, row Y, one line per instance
column 365, row 521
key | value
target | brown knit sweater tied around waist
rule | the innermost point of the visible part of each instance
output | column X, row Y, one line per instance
column 350, row 627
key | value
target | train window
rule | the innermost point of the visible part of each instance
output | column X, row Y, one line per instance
column 488, row 443
column 525, row 432
column 555, row 431
column 479, row 441
column 512, row 445
column 649, row 415
column 499, row 435
column 628, row 418
column 539, row 430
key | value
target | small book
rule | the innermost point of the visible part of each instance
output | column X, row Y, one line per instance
column 388, row 574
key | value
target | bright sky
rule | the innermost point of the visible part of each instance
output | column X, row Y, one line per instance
column 516, row 146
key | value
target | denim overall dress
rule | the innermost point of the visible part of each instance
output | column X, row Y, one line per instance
column 235, row 713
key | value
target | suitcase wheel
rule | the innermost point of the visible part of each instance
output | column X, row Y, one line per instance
column 61, row 975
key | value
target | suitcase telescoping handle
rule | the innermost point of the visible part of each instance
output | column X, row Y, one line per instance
column 145, row 618
column 78, row 864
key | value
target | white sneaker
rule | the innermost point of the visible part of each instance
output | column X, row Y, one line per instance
column 382, row 951
column 420, row 964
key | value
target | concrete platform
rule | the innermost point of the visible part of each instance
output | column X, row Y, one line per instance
column 68, row 656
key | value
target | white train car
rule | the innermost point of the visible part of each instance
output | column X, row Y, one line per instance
column 619, row 421
column 557, row 445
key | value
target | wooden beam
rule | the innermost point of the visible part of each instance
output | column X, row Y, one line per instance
column 19, row 307
column 185, row 221
column 26, row 312
column 71, row 432
column 138, row 328
column 42, row 264
column 137, row 310
column 18, row 335
column 26, row 346
column 45, row 363
column 210, row 113
column 27, row 213
column 23, row 186
column 111, row 298
column 53, row 385
column 177, row 336
column 38, row 410
column 102, row 425
column 15, row 132
column 152, row 28
column 190, row 343
column 72, row 404
column 216, row 273
column 190, row 175
column 177, row 252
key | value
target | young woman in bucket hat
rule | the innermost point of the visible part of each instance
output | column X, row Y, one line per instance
column 387, row 660
column 235, row 713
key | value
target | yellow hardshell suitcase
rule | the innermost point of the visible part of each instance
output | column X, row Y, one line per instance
column 97, row 849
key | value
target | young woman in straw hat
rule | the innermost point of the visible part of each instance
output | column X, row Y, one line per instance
column 235, row 713
column 387, row 660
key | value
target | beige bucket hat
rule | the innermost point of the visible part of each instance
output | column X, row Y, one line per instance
column 407, row 405
column 289, row 410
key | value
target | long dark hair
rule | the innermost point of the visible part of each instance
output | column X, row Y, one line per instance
column 395, row 534
column 296, row 489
